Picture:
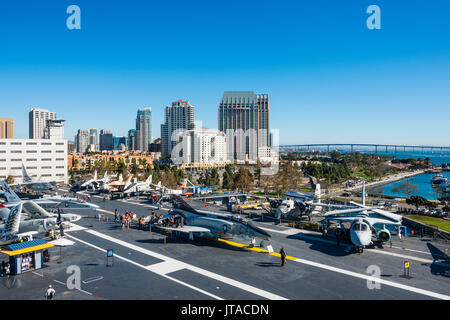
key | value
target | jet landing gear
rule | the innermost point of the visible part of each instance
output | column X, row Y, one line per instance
column 358, row 249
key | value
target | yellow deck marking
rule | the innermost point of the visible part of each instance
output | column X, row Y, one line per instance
column 240, row 245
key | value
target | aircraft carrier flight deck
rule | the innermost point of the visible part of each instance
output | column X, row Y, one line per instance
column 157, row 264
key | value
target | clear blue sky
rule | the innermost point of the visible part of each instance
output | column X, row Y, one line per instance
column 329, row 78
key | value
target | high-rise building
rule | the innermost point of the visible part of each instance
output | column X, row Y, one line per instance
column 179, row 116
column 38, row 122
column 143, row 129
column 201, row 145
column 6, row 128
column 244, row 118
column 120, row 143
column 93, row 139
column 54, row 129
column 131, row 139
column 82, row 140
column 106, row 140
column 155, row 146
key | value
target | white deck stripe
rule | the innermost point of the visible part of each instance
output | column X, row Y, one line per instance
column 400, row 255
column 141, row 266
column 238, row 284
column 300, row 234
column 165, row 267
column 366, row 277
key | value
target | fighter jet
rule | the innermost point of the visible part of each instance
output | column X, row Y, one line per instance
column 212, row 224
column 48, row 202
column 136, row 187
column 17, row 226
column 94, row 183
column 36, row 186
column 117, row 185
column 178, row 191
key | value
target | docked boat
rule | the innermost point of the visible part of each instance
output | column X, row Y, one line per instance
column 438, row 180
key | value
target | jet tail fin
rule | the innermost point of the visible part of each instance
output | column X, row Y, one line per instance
column 95, row 175
column 12, row 223
column 149, row 179
column 183, row 185
column 183, row 204
column 10, row 195
column 317, row 191
column 26, row 177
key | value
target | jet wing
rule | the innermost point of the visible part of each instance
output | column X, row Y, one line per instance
column 11, row 227
column 10, row 195
column 345, row 211
column 46, row 201
column 387, row 214
column 345, row 219
column 187, row 229
column 373, row 221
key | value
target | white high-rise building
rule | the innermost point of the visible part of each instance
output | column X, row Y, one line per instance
column 82, row 140
column 179, row 116
column 201, row 145
column 38, row 122
column 93, row 139
column 45, row 160
column 54, row 130
column 143, row 129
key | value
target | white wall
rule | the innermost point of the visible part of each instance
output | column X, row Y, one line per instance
column 45, row 160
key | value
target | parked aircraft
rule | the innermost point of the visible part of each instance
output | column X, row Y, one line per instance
column 117, row 185
column 178, row 191
column 94, row 183
column 30, row 184
column 17, row 226
column 212, row 224
column 47, row 202
column 362, row 221
column 136, row 187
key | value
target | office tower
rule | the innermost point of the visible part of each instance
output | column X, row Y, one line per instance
column 38, row 122
column 131, row 140
column 120, row 143
column 71, row 147
column 179, row 116
column 143, row 129
column 54, row 129
column 106, row 140
column 82, row 140
column 6, row 128
column 93, row 139
column 244, row 118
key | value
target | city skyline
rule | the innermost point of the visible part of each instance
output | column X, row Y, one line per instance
column 346, row 84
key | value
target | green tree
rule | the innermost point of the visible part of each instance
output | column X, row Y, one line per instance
column 242, row 180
